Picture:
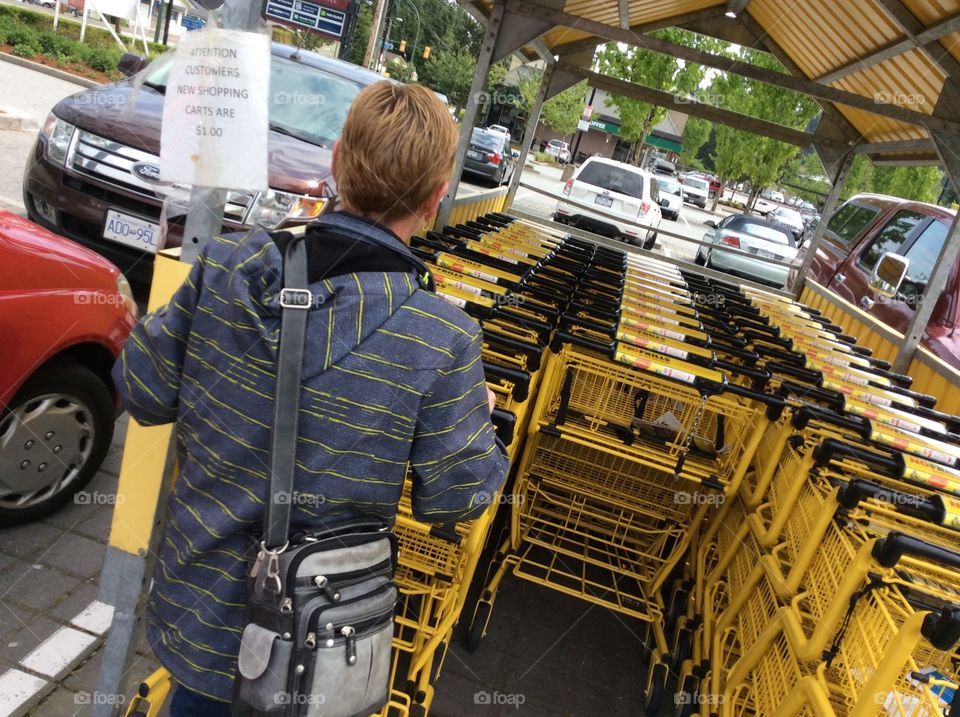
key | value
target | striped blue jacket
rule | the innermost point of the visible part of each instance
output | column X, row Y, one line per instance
column 392, row 375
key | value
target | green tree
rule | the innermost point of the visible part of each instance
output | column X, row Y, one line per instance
column 695, row 135
column 921, row 184
column 361, row 33
column 656, row 70
column 450, row 73
column 859, row 178
column 400, row 70
column 744, row 155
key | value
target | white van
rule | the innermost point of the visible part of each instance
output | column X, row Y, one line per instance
column 623, row 195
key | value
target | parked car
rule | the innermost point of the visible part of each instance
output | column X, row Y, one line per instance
column 756, row 239
column 93, row 174
column 560, row 150
column 499, row 128
column 630, row 194
column 662, row 166
column 696, row 190
column 64, row 314
column 791, row 219
column 671, row 196
column 878, row 253
column 489, row 156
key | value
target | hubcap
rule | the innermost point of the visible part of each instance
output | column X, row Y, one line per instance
column 44, row 444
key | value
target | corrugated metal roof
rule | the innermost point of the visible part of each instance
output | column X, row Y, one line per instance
column 821, row 37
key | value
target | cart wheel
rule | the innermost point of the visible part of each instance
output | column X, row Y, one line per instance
column 686, row 702
column 678, row 606
column 655, row 688
column 478, row 626
column 438, row 661
column 646, row 636
column 683, row 647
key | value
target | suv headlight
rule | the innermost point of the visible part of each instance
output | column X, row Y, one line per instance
column 123, row 288
column 58, row 134
column 272, row 208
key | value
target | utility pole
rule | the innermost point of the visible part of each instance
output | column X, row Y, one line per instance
column 373, row 46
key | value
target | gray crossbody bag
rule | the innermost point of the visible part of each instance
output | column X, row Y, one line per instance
column 319, row 629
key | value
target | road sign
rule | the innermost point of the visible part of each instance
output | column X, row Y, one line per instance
column 192, row 23
column 329, row 18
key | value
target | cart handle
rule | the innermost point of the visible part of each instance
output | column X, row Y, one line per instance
column 952, row 422
column 775, row 404
column 563, row 337
column 814, row 393
column 505, row 422
column 805, row 414
column 750, row 357
column 532, row 352
column 566, row 321
column 923, row 399
column 805, row 375
column 942, row 630
column 759, row 376
column 520, row 379
column 447, row 531
column 904, row 503
column 890, row 465
column 888, row 551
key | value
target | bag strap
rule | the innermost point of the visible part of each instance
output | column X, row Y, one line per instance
column 295, row 302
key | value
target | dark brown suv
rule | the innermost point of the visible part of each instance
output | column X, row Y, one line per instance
column 93, row 174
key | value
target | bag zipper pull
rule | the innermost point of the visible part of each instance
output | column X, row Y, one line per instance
column 273, row 571
column 321, row 582
column 311, row 641
column 257, row 564
column 348, row 632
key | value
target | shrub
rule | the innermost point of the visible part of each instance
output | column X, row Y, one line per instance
column 544, row 157
column 26, row 49
column 23, row 36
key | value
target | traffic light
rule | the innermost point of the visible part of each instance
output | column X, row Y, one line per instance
column 426, row 52
column 403, row 47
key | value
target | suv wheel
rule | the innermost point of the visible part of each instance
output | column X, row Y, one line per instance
column 53, row 438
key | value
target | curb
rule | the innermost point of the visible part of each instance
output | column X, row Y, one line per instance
column 51, row 71
column 11, row 122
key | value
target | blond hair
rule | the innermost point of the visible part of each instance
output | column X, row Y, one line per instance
column 397, row 147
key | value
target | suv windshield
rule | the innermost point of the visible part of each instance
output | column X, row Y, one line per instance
column 612, row 178
column 669, row 186
column 695, row 183
column 321, row 105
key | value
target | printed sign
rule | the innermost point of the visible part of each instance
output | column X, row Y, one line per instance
column 324, row 17
column 215, row 113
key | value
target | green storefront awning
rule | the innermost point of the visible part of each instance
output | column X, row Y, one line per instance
column 605, row 126
column 663, row 143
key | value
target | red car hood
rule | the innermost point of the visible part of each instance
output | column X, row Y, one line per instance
column 33, row 258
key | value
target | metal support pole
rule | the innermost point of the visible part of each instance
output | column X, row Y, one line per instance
column 470, row 114
column 372, row 44
column 923, row 310
column 843, row 167
column 530, row 132
column 166, row 22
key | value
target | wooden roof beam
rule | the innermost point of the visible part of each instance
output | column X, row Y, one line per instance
column 625, row 14
column 912, row 26
column 737, row 67
column 695, row 109
column 910, row 42
column 735, row 8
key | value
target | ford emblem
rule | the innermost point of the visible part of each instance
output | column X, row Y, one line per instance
column 146, row 172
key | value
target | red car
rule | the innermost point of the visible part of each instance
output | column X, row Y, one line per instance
column 64, row 314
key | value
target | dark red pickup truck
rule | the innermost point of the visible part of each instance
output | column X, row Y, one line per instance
column 867, row 228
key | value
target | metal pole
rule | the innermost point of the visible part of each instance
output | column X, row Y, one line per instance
column 372, row 44
column 470, row 114
column 530, row 133
column 831, row 204
column 166, row 22
column 928, row 300
column 149, row 463
column 161, row 8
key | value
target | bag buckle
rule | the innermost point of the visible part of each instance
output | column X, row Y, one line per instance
column 296, row 298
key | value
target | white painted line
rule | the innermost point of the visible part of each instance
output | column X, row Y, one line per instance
column 95, row 617
column 16, row 689
column 58, row 652
column 685, row 221
column 13, row 202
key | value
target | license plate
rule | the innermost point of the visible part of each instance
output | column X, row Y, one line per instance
column 473, row 155
column 604, row 201
column 766, row 254
column 132, row 231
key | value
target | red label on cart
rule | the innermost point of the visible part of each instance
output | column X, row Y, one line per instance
column 934, row 450
column 657, row 346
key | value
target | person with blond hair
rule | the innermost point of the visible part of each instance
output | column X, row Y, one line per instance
column 392, row 378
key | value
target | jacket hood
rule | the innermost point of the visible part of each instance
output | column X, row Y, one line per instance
column 346, row 307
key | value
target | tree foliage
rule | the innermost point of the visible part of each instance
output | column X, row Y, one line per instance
column 449, row 72
column 744, row 155
column 656, row 70
column 695, row 135
column 922, row 184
